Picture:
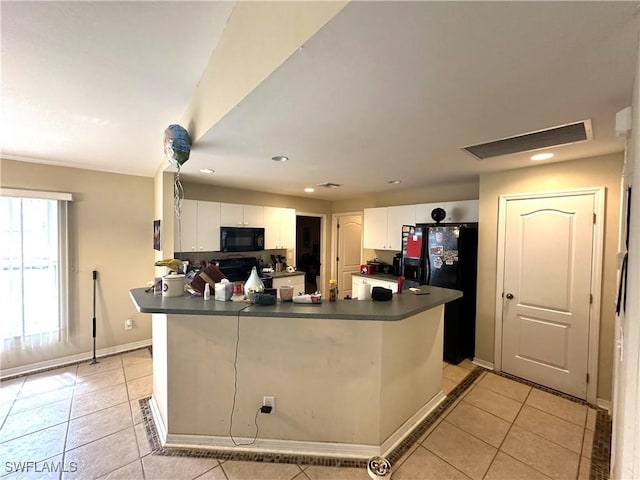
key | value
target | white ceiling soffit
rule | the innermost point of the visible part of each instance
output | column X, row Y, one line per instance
column 94, row 84
column 391, row 90
column 528, row 142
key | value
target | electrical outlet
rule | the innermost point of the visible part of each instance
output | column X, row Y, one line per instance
column 269, row 402
column 128, row 324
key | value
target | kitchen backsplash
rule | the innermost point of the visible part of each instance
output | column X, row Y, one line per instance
column 265, row 255
column 385, row 256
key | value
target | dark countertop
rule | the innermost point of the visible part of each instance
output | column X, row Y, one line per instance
column 378, row 276
column 400, row 307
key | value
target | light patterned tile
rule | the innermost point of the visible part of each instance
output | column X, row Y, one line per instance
column 131, row 471
column 424, row 465
column 461, row 450
column 477, row 422
column 140, row 387
column 558, row 406
column 505, row 386
column 136, row 356
column 545, row 456
column 49, row 380
column 467, row 364
column 494, row 403
column 99, row 381
column 104, row 363
column 587, row 443
column 176, row 468
column 505, row 467
column 559, row 431
column 455, row 373
column 214, row 474
column 9, row 389
column 103, row 456
column 99, row 400
column 35, row 446
column 138, row 369
column 448, row 385
column 252, row 470
column 141, row 437
column 29, row 421
column 27, row 402
column 83, row 430
column 316, row 472
column 585, row 469
column 136, row 413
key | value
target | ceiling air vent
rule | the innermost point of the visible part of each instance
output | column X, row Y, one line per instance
column 550, row 137
column 329, row 185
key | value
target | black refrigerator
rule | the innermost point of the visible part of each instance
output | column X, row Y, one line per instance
column 449, row 259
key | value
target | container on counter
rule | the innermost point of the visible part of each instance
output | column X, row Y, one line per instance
column 173, row 285
column 286, row 293
column 333, row 290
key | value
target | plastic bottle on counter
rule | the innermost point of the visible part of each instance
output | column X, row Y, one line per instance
column 333, row 290
column 207, row 291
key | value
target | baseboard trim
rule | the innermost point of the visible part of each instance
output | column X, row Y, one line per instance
column 271, row 446
column 161, row 428
column 483, row 363
column 602, row 403
column 71, row 359
column 407, row 427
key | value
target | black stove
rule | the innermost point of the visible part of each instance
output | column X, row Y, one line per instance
column 239, row 269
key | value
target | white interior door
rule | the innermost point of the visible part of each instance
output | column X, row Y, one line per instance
column 349, row 228
column 547, row 290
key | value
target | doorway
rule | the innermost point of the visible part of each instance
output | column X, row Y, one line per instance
column 548, row 289
column 308, row 250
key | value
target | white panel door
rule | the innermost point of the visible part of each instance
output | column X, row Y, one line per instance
column 271, row 228
column 375, row 228
column 208, row 226
column 546, row 293
column 186, row 228
column 349, row 251
column 397, row 217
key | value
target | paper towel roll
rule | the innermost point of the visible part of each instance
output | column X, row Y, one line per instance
column 364, row 291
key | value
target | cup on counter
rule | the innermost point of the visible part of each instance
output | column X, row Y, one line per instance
column 286, row 293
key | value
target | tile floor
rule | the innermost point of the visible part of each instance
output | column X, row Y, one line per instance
column 85, row 420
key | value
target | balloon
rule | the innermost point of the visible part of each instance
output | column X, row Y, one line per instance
column 177, row 144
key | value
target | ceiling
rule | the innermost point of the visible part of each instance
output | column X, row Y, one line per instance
column 384, row 91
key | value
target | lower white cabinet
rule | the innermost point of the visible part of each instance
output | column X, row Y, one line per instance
column 374, row 282
column 295, row 281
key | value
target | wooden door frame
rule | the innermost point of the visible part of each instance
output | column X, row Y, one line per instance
column 596, row 277
column 334, row 238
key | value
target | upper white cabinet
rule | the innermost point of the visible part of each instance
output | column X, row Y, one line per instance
column 280, row 228
column 457, row 212
column 383, row 226
column 237, row 215
column 198, row 229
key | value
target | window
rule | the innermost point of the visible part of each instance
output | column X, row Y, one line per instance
column 33, row 245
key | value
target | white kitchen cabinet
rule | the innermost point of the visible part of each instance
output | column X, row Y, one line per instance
column 238, row 215
column 383, row 226
column 457, row 212
column 295, row 281
column 374, row 282
column 280, row 228
column 199, row 227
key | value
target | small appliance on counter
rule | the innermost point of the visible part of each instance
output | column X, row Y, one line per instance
column 239, row 270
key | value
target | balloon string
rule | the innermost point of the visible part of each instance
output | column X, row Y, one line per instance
column 177, row 205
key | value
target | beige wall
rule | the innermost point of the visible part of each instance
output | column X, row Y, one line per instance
column 110, row 230
column 593, row 172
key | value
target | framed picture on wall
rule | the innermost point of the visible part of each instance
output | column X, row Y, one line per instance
column 156, row 235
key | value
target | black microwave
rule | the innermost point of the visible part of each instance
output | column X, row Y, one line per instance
column 241, row 239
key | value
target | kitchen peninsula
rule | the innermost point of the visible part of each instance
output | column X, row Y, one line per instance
column 350, row 378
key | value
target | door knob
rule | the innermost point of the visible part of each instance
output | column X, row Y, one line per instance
column 509, row 296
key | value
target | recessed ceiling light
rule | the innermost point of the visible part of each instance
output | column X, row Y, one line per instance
column 279, row 158
column 395, row 182
column 309, row 189
column 542, row 156
column 206, row 170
